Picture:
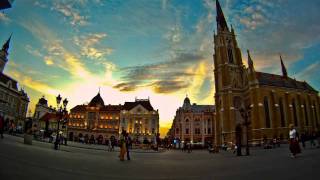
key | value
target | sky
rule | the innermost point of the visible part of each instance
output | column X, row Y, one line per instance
column 157, row 49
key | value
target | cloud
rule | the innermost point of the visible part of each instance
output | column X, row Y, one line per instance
column 71, row 13
column 310, row 72
column 34, row 52
column 163, row 77
column 48, row 61
column 166, row 87
column 33, row 84
column 91, row 47
column 4, row 18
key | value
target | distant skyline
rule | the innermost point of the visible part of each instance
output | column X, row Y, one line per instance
column 160, row 49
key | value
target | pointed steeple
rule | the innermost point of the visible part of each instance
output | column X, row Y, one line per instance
column 6, row 45
column 250, row 62
column 283, row 67
column 221, row 21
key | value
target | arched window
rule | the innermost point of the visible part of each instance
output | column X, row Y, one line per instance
column 306, row 114
column 230, row 54
column 282, row 118
column 266, row 112
column 295, row 118
column 187, row 120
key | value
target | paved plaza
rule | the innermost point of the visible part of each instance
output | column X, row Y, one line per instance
column 40, row 161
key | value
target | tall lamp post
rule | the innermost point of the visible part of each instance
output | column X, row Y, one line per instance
column 61, row 112
column 245, row 113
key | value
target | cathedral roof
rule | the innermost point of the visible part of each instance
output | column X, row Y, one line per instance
column 97, row 100
column 130, row 105
column 281, row 81
column 5, row 79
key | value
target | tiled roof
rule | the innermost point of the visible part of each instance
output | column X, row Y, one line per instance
column 202, row 108
column 79, row 108
column 280, row 81
column 130, row 105
column 4, row 79
column 111, row 108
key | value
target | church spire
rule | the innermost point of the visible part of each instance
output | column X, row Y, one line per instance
column 283, row 67
column 250, row 62
column 6, row 45
column 221, row 21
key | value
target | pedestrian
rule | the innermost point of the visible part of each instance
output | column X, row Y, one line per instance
column 109, row 144
column 303, row 140
column 318, row 139
column 128, row 141
column 294, row 143
column 1, row 126
column 312, row 139
column 122, row 145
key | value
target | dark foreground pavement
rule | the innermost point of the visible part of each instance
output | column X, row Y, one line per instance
column 40, row 161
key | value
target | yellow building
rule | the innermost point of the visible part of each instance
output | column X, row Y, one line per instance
column 95, row 121
column 140, row 120
column 275, row 100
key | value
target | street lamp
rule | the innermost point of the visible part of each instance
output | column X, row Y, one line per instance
column 61, row 113
column 245, row 113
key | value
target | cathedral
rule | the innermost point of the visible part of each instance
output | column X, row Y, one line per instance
column 273, row 101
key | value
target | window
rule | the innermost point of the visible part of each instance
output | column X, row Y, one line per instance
column 187, row 120
column 197, row 131
column 294, row 113
column 282, row 118
column 209, row 130
column 177, row 130
column 306, row 114
column 187, row 131
column 266, row 112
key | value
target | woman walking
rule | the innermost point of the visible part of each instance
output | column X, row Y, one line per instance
column 122, row 145
column 294, row 143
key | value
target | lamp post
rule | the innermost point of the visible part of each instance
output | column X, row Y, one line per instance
column 61, row 112
column 245, row 113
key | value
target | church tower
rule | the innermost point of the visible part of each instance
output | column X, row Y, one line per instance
column 4, row 55
column 230, row 78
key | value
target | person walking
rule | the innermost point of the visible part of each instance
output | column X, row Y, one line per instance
column 303, row 140
column 122, row 145
column 128, row 141
column 294, row 143
column 312, row 139
column 1, row 126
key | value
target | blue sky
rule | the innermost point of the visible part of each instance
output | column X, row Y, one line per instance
column 160, row 49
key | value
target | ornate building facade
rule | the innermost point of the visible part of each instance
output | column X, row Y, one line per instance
column 41, row 110
column 140, row 120
column 193, row 123
column 13, row 102
column 94, row 121
column 275, row 101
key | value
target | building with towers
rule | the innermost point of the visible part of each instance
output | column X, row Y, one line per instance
column 274, row 101
column 94, row 121
column 13, row 100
